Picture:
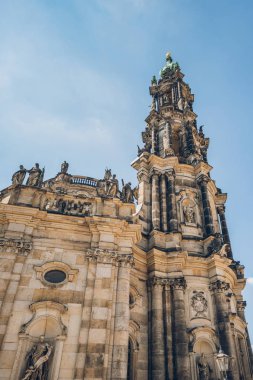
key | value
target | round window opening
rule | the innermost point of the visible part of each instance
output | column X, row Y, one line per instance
column 55, row 276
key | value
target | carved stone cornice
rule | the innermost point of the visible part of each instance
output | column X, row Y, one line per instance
column 109, row 257
column 17, row 246
column 219, row 286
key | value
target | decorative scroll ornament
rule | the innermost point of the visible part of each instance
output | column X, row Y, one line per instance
column 17, row 246
column 37, row 362
column 199, row 304
column 109, row 257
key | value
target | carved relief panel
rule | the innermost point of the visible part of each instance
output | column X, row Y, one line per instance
column 199, row 305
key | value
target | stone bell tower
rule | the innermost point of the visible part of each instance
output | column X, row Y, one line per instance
column 194, row 284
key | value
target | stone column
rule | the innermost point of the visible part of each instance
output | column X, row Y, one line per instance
column 208, row 219
column 121, row 327
column 153, row 136
column 163, row 193
column 190, row 139
column 180, row 338
column 172, row 206
column 219, row 289
column 168, row 331
column 241, row 313
column 224, row 229
column 157, row 329
column 155, row 201
column 183, row 142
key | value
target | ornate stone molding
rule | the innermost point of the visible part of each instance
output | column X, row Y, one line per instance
column 199, row 304
column 154, row 172
column 44, row 309
column 55, row 265
column 203, row 178
column 175, row 283
column 179, row 283
column 219, row 286
column 241, row 305
column 109, row 257
column 170, row 174
column 221, row 209
column 17, row 246
column 157, row 281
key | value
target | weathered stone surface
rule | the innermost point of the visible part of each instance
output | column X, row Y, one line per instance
column 124, row 292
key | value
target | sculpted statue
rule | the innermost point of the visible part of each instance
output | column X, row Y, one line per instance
column 127, row 192
column 19, row 176
column 136, row 192
column 107, row 180
column 199, row 304
column 189, row 214
column 203, row 368
column 35, row 175
column 108, row 174
column 113, row 187
column 37, row 363
column 64, row 167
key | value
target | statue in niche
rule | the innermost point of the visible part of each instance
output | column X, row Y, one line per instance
column 199, row 304
column 189, row 214
column 127, row 192
column 147, row 139
column 19, row 176
column 37, row 362
column 35, row 176
column 113, row 186
column 203, row 368
column 64, row 167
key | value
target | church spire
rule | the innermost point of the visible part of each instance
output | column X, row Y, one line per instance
column 172, row 124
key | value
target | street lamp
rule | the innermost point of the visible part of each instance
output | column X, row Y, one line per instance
column 222, row 363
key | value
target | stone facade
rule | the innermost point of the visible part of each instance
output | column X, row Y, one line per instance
column 95, row 287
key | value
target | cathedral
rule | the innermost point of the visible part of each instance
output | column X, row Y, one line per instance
column 103, row 280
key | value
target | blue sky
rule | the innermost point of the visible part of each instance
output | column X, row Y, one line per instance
column 74, row 79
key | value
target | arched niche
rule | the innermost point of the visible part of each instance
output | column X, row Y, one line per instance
column 189, row 208
column 203, row 342
column 45, row 321
column 133, row 348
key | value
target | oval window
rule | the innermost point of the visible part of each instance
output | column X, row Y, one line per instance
column 55, row 276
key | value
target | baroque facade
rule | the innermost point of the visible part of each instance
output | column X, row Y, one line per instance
column 96, row 285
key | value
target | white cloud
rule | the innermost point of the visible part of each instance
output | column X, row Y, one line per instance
column 250, row 281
